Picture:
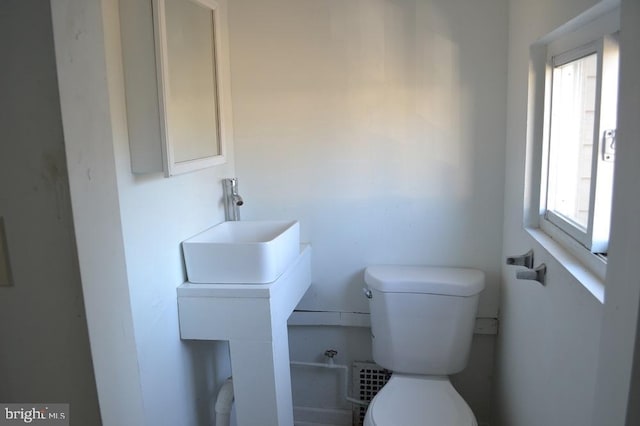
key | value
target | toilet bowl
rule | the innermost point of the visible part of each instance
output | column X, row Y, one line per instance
column 422, row 321
column 409, row 400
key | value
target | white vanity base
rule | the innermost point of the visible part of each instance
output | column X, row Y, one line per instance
column 253, row 318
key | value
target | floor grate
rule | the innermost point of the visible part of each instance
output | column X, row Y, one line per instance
column 368, row 379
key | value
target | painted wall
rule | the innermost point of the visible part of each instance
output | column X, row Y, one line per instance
column 88, row 137
column 129, row 230
column 549, row 346
column 44, row 354
column 380, row 126
column 618, row 391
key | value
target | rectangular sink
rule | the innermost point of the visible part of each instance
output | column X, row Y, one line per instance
column 249, row 252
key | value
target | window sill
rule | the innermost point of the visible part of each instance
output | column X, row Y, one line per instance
column 572, row 263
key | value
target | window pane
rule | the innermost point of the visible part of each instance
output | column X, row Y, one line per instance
column 571, row 139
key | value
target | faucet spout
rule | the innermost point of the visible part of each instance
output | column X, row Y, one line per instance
column 232, row 200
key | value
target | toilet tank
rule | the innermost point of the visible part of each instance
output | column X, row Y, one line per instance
column 422, row 318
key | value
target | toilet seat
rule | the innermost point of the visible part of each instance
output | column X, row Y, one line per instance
column 410, row 400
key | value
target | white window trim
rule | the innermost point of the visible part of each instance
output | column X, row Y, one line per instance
column 595, row 235
column 596, row 23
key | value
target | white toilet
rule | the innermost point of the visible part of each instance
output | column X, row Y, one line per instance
column 422, row 321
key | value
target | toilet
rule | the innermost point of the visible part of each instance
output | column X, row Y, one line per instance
column 422, row 321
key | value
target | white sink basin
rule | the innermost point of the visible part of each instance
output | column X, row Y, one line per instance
column 244, row 252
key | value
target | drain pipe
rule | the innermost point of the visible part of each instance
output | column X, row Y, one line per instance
column 330, row 364
column 224, row 401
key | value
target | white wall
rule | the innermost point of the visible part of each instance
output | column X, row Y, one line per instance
column 88, row 137
column 44, row 354
column 618, row 371
column 549, row 345
column 380, row 126
column 129, row 230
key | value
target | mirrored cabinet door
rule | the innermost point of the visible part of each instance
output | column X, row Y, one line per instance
column 180, row 122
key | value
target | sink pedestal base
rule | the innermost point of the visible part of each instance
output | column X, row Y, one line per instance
column 262, row 380
column 253, row 318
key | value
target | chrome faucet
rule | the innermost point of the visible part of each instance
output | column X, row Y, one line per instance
column 232, row 200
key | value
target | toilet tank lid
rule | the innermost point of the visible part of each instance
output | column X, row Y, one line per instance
column 425, row 279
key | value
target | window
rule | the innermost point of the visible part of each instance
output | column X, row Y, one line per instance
column 579, row 140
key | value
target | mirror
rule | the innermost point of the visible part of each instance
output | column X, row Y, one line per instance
column 179, row 121
column 187, row 48
column 192, row 95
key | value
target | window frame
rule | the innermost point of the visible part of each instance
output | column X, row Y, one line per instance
column 595, row 236
column 597, row 23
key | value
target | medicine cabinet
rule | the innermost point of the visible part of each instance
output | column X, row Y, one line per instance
column 176, row 69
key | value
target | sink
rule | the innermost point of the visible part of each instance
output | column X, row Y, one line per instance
column 242, row 252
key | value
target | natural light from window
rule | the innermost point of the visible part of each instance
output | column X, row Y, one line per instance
column 581, row 141
column 571, row 144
